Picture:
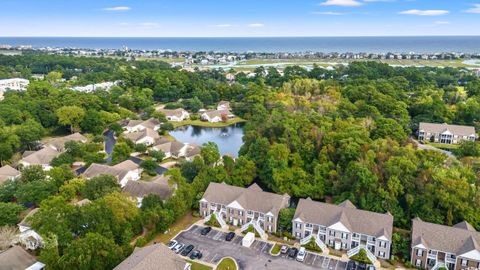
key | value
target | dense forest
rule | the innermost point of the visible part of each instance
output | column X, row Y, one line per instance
column 326, row 134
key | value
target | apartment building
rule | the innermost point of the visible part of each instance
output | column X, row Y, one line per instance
column 435, row 246
column 445, row 133
column 243, row 206
column 343, row 227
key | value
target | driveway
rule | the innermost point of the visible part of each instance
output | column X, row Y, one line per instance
column 109, row 144
column 214, row 248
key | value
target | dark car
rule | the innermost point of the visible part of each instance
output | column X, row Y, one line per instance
column 196, row 254
column 362, row 266
column 351, row 265
column 292, row 253
column 187, row 250
column 205, row 230
column 229, row 236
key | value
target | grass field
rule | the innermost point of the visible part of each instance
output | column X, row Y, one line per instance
column 181, row 224
column 208, row 124
column 276, row 249
column 226, row 264
column 199, row 266
column 444, row 146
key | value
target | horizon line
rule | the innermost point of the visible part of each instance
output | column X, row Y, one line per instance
column 305, row 36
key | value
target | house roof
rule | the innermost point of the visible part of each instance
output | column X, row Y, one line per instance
column 214, row 113
column 158, row 186
column 151, row 123
column 457, row 239
column 59, row 143
column 153, row 257
column 82, row 202
column 7, row 172
column 251, row 198
column 133, row 123
column 176, row 112
column 25, row 221
column 16, row 258
column 138, row 135
column 193, row 150
column 440, row 128
column 355, row 220
column 41, row 157
column 119, row 170
column 173, row 147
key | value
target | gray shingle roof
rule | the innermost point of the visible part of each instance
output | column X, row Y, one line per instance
column 59, row 143
column 7, row 172
column 148, row 132
column 440, row 128
column 41, row 157
column 152, row 257
column 119, row 170
column 249, row 198
column 158, row 186
column 355, row 220
column 16, row 258
column 458, row 239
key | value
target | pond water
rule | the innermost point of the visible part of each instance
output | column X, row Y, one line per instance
column 228, row 139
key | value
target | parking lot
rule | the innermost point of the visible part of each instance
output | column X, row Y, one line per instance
column 214, row 248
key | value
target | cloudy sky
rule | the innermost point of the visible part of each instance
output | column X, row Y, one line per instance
column 219, row 18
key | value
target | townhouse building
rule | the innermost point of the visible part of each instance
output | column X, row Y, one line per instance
column 243, row 206
column 445, row 133
column 435, row 246
column 343, row 227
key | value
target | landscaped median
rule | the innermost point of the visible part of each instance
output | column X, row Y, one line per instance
column 201, row 123
column 213, row 222
column 275, row 251
column 227, row 263
column 312, row 246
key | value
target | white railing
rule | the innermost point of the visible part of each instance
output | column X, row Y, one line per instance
column 356, row 249
column 259, row 229
column 207, row 218
column 438, row 265
column 245, row 226
column 305, row 240
column 320, row 243
column 220, row 220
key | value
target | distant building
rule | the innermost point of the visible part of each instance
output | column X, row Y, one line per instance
column 156, row 256
column 124, row 171
column 7, row 172
column 59, row 142
column 158, row 186
column 29, row 237
column 17, row 84
column 138, row 125
column 435, row 246
column 16, row 258
column 445, row 133
column 146, row 136
column 92, row 87
column 176, row 115
column 216, row 116
column 223, row 105
column 173, row 149
column 42, row 157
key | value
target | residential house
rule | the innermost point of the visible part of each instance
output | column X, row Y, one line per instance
column 172, row 149
column 445, row 133
column 156, row 256
column 243, row 206
column 16, row 258
column 124, row 171
column 146, row 136
column 29, row 237
column 59, row 143
column 215, row 116
column 158, row 186
column 139, row 125
column 176, row 115
column 192, row 151
column 223, row 105
column 17, row 84
column 343, row 227
column 42, row 157
column 7, row 172
column 435, row 246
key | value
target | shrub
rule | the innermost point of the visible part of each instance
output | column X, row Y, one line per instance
column 141, row 241
column 361, row 256
column 251, row 229
column 311, row 245
column 213, row 222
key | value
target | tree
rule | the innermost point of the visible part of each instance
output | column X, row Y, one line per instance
column 9, row 213
column 70, row 116
column 285, row 217
column 35, row 192
column 149, row 166
column 30, row 132
column 54, row 76
column 166, row 127
column 93, row 122
column 94, row 251
column 121, row 152
column 468, row 149
column 157, row 155
column 209, row 153
column 100, row 186
column 32, row 174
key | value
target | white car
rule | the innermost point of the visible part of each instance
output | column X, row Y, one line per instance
column 172, row 244
column 178, row 247
column 301, row 254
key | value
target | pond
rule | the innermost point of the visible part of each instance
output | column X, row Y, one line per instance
column 228, row 139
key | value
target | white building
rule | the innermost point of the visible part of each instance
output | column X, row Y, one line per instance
column 92, row 87
column 17, row 84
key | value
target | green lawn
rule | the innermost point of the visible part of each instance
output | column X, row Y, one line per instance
column 208, row 124
column 226, row 264
column 199, row 266
column 276, row 249
column 444, row 146
column 251, row 229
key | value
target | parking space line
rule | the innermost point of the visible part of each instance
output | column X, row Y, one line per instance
column 264, row 247
column 336, row 265
column 314, row 259
column 213, row 258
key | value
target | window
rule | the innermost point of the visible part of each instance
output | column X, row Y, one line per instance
column 419, row 252
column 418, row 262
column 297, row 234
column 381, row 254
column 270, row 219
column 269, row 228
column 240, row 213
column 344, row 236
column 464, row 262
column 250, row 212
column 298, row 225
column 344, row 245
column 355, row 235
column 382, row 244
column 332, row 233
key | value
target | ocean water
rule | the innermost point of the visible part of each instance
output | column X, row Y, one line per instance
column 429, row 44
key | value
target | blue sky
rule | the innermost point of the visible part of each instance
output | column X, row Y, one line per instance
column 218, row 18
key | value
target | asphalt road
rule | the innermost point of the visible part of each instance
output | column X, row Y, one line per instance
column 109, row 144
column 257, row 257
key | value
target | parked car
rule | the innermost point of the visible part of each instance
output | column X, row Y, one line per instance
column 362, row 266
column 284, row 249
column 301, row 254
column 229, row 236
column 292, row 252
column 172, row 244
column 351, row 265
column 196, row 254
column 370, row 267
column 187, row 250
column 178, row 247
column 205, row 230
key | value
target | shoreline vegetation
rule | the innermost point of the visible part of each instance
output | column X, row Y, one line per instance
column 201, row 123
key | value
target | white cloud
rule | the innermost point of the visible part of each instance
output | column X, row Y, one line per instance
column 327, row 13
column 117, row 8
column 343, row 3
column 223, row 25
column 474, row 9
column 428, row 12
column 442, row 22
column 256, row 25
column 372, row 1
